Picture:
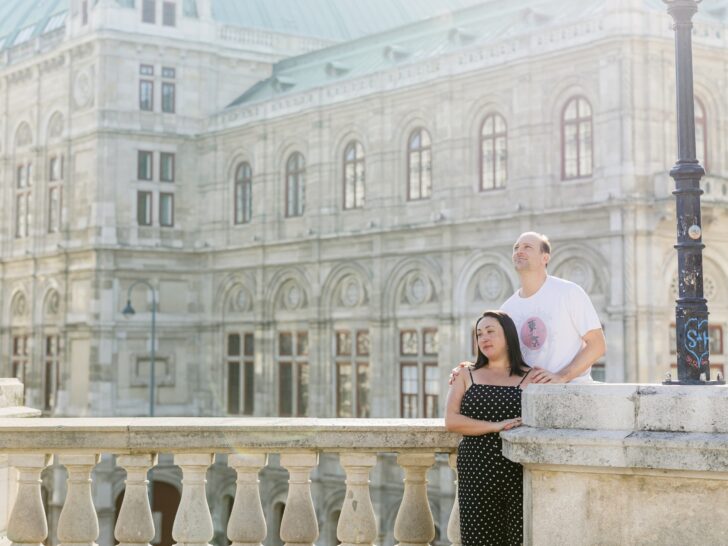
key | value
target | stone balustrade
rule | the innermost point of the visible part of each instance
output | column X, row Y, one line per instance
column 31, row 445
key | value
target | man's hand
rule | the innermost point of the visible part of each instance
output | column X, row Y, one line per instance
column 456, row 371
column 539, row 375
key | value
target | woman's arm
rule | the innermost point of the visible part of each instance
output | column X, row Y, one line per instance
column 455, row 422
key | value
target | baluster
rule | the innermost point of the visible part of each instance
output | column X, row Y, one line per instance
column 247, row 523
column 27, row 525
column 78, row 524
column 357, row 524
column 193, row 523
column 135, row 524
column 453, row 525
column 299, row 526
column 414, row 525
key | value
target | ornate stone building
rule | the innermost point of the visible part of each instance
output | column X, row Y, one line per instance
column 324, row 199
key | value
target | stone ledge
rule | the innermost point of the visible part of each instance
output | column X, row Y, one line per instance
column 618, row 449
column 601, row 406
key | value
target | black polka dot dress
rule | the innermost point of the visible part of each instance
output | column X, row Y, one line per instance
column 490, row 487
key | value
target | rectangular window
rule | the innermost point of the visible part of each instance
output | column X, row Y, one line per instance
column 146, row 95
column 169, row 14
column 144, row 208
column 20, row 357
column 168, row 72
column 84, row 12
column 55, row 168
column 292, row 374
column 352, row 373
column 54, row 209
column 22, row 214
column 145, row 162
column 241, row 373
column 419, row 374
column 52, row 371
column 168, row 90
column 146, row 70
column 166, row 209
column 149, row 9
column 166, row 167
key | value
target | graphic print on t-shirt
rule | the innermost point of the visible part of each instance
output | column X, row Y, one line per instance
column 533, row 333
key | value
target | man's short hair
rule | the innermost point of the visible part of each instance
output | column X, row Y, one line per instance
column 545, row 243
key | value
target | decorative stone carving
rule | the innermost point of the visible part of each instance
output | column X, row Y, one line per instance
column 578, row 272
column 83, row 85
column 239, row 300
column 292, row 296
column 55, row 127
column 19, row 306
column 417, row 289
column 23, row 136
column 53, row 303
column 490, row 285
column 351, row 292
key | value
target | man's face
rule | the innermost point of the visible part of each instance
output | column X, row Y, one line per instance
column 527, row 254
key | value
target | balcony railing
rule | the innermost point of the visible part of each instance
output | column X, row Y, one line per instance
column 32, row 444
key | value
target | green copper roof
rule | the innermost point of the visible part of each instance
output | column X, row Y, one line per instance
column 21, row 20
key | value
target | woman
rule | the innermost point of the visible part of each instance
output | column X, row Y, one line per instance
column 480, row 404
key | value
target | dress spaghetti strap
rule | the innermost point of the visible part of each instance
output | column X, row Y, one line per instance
column 524, row 377
column 470, row 371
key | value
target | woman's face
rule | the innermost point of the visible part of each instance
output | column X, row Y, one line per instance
column 491, row 339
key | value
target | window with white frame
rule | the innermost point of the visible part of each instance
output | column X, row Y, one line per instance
column 169, row 14
column 293, row 373
column 354, row 175
column 577, row 151
column 23, row 195
column 149, row 11
column 295, row 181
column 419, row 376
column 419, row 165
column 166, row 209
column 351, row 351
column 166, row 167
column 144, row 208
column 493, row 152
column 240, row 373
column 145, row 164
column 243, row 201
column 169, row 90
column 55, row 193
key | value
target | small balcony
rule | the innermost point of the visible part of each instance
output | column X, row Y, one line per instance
column 32, row 445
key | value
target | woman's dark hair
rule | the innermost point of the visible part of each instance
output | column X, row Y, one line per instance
column 513, row 346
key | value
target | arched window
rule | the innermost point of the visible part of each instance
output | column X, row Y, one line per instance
column 701, row 134
column 577, row 153
column 354, row 175
column 243, row 193
column 419, row 165
column 493, row 152
column 295, row 180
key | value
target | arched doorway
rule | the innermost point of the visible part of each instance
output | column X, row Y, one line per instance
column 164, row 508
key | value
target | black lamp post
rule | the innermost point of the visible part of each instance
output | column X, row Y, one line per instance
column 128, row 312
column 691, row 312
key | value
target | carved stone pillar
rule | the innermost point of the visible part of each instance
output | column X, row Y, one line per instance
column 453, row 525
column 27, row 525
column 135, row 524
column 247, row 522
column 299, row 526
column 78, row 524
column 193, row 523
column 414, row 525
column 357, row 524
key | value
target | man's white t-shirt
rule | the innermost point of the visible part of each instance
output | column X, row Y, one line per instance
column 551, row 324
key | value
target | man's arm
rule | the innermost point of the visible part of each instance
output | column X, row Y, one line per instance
column 594, row 347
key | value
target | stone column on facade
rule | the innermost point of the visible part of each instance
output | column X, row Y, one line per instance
column 27, row 525
column 414, row 525
column 193, row 522
column 299, row 526
column 453, row 525
column 78, row 524
column 135, row 524
column 357, row 523
column 247, row 523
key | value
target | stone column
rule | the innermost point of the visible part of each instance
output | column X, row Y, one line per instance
column 247, row 522
column 27, row 523
column 193, row 523
column 414, row 525
column 78, row 524
column 135, row 524
column 299, row 526
column 453, row 525
column 357, row 524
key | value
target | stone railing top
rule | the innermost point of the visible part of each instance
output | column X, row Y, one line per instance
column 223, row 435
column 627, row 407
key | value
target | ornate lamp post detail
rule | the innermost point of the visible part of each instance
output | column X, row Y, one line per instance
column 128, row 312
column 691, row 312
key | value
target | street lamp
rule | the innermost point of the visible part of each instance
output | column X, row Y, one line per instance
column 128, row 312
column 691, row 311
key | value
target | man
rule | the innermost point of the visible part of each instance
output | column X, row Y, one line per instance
column 559, row 330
